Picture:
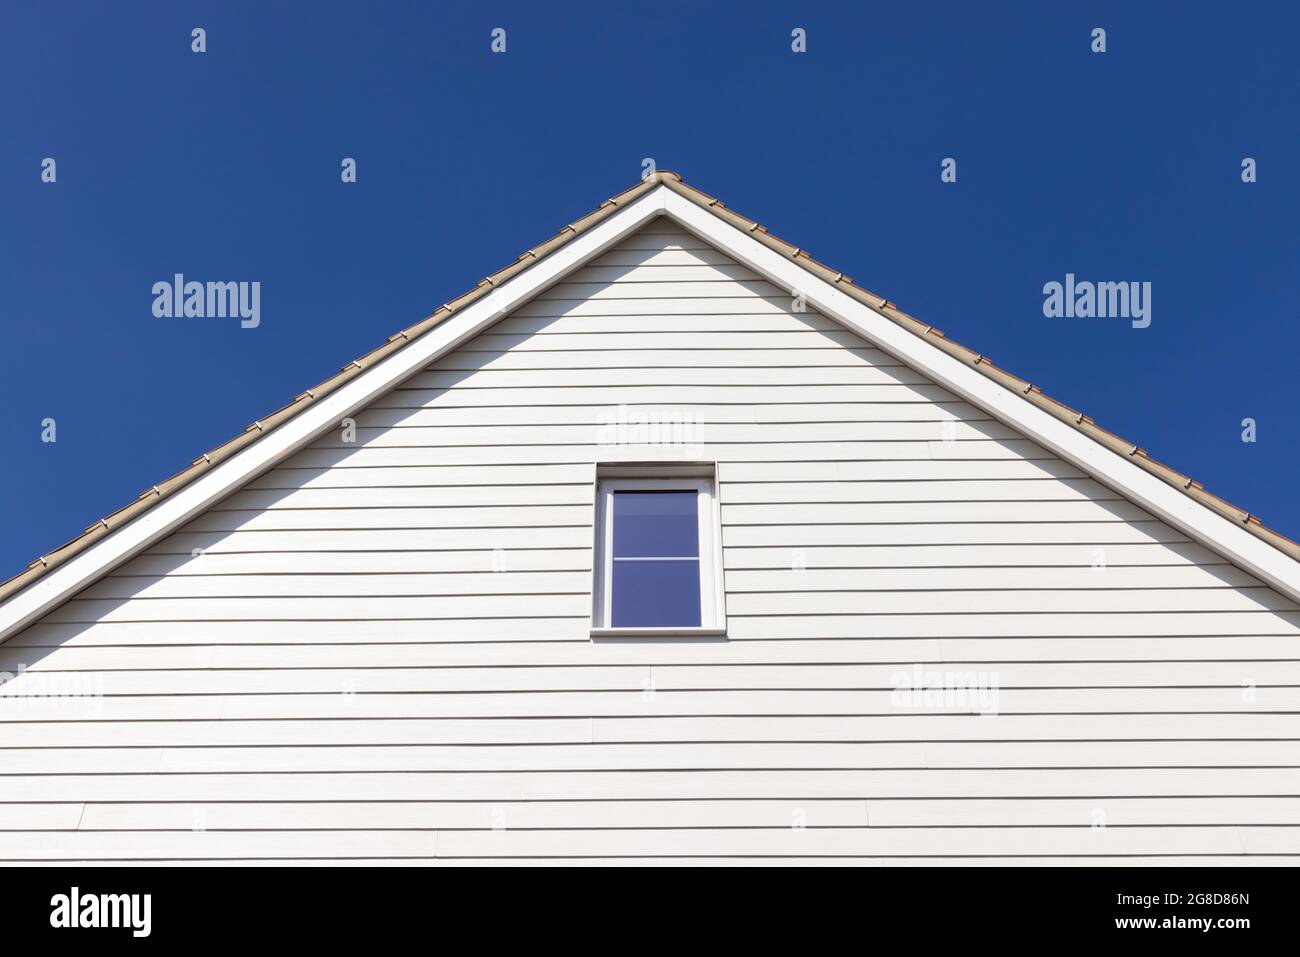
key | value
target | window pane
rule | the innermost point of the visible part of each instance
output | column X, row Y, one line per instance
column 651, row 594
column 656, row 524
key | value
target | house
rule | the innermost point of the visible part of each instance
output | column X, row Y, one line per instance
column 665, row 543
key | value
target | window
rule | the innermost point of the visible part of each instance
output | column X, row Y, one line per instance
column 658, row 560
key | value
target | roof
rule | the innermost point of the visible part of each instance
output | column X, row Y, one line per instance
column 402, row 339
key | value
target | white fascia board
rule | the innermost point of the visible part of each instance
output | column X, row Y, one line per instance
column 1161, row 499
column 299, row 431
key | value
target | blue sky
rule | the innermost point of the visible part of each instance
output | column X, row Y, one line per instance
column 225, row 165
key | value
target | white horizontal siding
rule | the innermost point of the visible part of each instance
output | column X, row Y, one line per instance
column 719, row 375
column 1191, row 729
column 1243, row 625
column 320, row 603
column 708, row 433
column 640, row 757
column 695, row 784
column 1186, row 860
column 586, row 415
column 833, row 842
column 191, row 581
column 632, row 393
column 559, row 453
column 113, row 646
column 730, row 343
column 342, row 703
column 547, row 327
column 495, row 678
column 398, row 620
column 1018, row 625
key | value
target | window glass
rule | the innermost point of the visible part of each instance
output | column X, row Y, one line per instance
column 656, row 524
column 656, row 564
column 656, row 594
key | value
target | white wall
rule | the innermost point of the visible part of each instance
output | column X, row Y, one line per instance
column 343, row 633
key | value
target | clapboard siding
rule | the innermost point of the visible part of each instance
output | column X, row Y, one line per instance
column 1158, row 728
column 662, row 785
column 718, row 375
column 142, row 645
column 378, row 650
column 574, row 323
column 1235, row 625
column 704, row 433
column 939, row 843
column 480, row 368
column 1186, row 860
column 616, row 393
column 580, row 452
column 741, row 303
column 336, row 606
column 295, row 476
column 623, row 756
column 343, row 702
column 729, row 344
column 494, row 678
column 226, row 585
column 585, row 415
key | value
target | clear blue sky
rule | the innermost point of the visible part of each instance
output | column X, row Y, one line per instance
column 225, row 166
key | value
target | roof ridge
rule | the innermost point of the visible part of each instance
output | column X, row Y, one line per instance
column 673, row 181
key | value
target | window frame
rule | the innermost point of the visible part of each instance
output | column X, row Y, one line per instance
column 713, row 616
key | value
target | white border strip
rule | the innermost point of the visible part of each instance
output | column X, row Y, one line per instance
column 1161, row 499
column 299, row 431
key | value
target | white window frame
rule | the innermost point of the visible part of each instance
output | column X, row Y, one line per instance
column 713, row 616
